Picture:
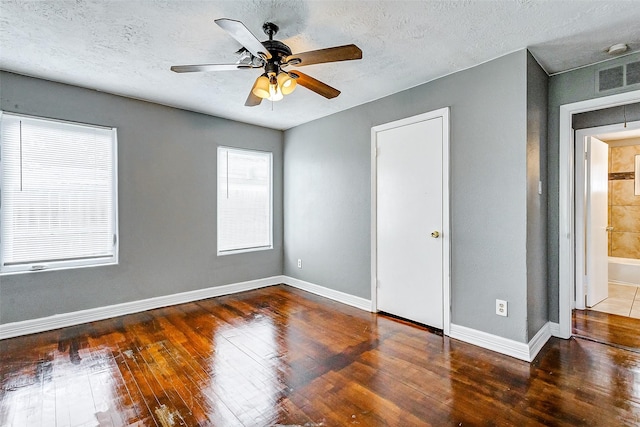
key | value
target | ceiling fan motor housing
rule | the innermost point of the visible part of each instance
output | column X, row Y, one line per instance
column 277, row 49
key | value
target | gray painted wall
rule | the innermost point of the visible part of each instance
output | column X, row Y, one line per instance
column 167, row 202
column 566, row 88
column 537, row 99
column 327, row 193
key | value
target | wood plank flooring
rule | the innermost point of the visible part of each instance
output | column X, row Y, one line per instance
column 621, row 331
column 282, row 357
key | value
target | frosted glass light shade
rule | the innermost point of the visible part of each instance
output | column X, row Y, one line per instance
column 287, row 83
column 261, row 87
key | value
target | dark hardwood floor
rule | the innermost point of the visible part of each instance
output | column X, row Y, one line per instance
column 280, row 356
column 620, row 331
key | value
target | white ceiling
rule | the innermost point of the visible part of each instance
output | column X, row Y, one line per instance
column 629, row 135
column 127, row 47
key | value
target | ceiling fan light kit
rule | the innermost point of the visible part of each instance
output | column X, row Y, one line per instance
column 273, row 88
column 273, row 56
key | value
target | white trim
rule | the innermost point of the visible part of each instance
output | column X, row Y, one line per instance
column 554, row 328
column 512, row 348
column 580, row 209
column 344, row 298
column 566, row 237
column 28, row 267
column 51, row 119
column 495, row 343
column 637, row 176
column 116, row 197
column 539, row 340
column 31, row 326
column 445, row 233
column 245, row 151
column 374, row 222
column 446, row 228
column 519, row 350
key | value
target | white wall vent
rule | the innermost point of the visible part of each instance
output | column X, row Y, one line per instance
column 618, row 77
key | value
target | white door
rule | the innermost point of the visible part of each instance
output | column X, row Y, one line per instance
column 409, row 221
column 597, row 220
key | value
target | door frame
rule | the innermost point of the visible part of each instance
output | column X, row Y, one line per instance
column 566, row 207
column 445, row 233
column 580, row 209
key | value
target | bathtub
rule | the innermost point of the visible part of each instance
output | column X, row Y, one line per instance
column 624, row 270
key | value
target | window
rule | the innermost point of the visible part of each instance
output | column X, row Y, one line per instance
column 244, row 200
column 58, row 194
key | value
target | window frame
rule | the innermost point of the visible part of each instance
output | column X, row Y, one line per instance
column 33, row 267
column 226, row 252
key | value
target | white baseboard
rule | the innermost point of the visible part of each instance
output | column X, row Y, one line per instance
column 496, row 343
column 354, row 301
column 554, row 328
column 519, row 350
column 539, row 340
column 618, row 282
column 31, row 326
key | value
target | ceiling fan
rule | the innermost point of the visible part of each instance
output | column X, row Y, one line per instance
column 274, row 56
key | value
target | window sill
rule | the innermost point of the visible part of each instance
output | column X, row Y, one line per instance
column 52, row 267
column 242, row 251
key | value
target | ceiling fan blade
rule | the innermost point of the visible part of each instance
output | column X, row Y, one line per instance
column 331, row 54
column 315, row 85
column 252, row 100
column 209, row 67
column 238, row 31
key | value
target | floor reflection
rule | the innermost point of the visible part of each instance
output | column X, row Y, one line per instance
column 611, row 329
column 246, row 386
column 61, row 388
column 282, row 357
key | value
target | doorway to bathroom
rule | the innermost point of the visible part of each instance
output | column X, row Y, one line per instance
column 607, row 238
column 567, row 250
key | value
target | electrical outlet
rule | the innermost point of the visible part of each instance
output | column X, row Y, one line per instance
column 501, row 307
column 299, row 263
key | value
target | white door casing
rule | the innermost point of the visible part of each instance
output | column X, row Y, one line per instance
column 566, row 209
column 410, row 267
column 581, row 212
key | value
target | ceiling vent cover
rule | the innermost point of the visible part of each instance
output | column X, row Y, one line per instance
column 618, row 77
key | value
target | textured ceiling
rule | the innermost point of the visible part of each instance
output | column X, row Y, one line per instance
column 127, row 47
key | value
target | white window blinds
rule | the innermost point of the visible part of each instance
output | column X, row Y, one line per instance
column 244, row 200
column 58, row 183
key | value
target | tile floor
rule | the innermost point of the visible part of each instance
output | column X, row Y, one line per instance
column 624, row 300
